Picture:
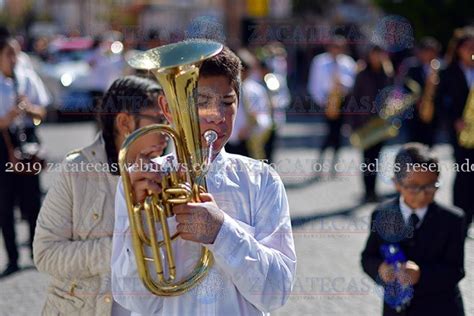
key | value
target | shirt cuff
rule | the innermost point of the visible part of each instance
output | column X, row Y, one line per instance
column 230, row 236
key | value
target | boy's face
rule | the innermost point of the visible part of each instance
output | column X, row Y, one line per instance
column 466, row 51
column 418, row 188
column 217, row 106
column 144, row 118
column 148, row 117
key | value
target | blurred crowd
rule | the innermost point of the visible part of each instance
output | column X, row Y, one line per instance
column 425, row 93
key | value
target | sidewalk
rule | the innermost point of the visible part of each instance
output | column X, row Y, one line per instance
column 330, row 229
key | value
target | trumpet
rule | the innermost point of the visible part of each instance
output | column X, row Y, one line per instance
column 176, row 67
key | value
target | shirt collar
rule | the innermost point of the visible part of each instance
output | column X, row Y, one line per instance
column 217, row 169
column 468, row 74
column 407, row 211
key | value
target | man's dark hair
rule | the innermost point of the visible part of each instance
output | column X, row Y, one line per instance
column 430, row 43
column 466, row 34
column 248, row 60
column 4, row 31
column 337, row 41
column 411, row 154
column 227, row 64
column 5, row 36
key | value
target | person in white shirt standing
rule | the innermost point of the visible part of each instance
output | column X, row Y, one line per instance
column 253, row 121
column 331, row 78
column 23, row 98
column 243, row 220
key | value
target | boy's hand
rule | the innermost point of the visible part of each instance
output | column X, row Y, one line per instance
column 386, row 272
column 409, row 273
column 143, row 179
column 199, row 222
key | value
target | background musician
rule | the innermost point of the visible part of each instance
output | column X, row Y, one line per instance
column 253, row 120
column 22, row 98
column 369, row 84
column 457, row 82
column 331, row 78
column 422, row 126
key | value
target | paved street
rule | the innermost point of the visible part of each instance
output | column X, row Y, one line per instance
column 330, row 228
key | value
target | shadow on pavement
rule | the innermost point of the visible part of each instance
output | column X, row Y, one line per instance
column 310, row 181
column 302, row 220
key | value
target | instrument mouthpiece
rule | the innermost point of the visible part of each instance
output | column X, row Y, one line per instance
column 210, row 136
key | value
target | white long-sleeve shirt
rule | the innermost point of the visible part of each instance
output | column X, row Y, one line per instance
column 254, row 251
column 323, row 67
column 28, row 84
column 258, row 103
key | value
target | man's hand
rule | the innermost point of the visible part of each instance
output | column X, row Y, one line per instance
column 199, row 222
column 35, row 111
column 459, row 125
column 409, row 273
column 13, row 114
column 144, row 175
column 386, row 272
column 8, row 119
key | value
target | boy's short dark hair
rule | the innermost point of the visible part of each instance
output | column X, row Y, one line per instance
column 414, row 156
column 248, row 60
column 227, row 64
column 429, row 43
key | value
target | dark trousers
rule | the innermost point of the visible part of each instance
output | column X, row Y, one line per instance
column 333, row 138
column 370, row 156
column 23, row 191
column 17, row 190
column 270, row 145
column 421, row 132
column 464, row 182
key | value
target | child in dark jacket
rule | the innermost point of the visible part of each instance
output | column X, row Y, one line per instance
column 430, row 236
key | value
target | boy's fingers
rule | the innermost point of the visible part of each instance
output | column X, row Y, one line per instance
column 141, row 176
column 187, row 236
column 147, row 185
column 206, row 197
column 183, row 228
column 184, row 218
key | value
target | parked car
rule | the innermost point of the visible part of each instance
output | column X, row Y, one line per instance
column 77, row 72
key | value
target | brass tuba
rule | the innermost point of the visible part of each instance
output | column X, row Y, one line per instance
column 386, row 125
column 176, row 67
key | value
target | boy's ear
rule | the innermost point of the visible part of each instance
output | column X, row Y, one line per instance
column 124, row 123
column 164, row 107
column 397, row 185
